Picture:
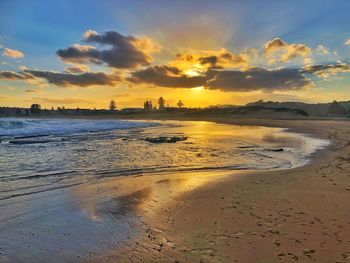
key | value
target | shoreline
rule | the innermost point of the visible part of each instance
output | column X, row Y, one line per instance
column 219, row 216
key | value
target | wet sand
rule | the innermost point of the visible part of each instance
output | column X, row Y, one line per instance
column 295, row 215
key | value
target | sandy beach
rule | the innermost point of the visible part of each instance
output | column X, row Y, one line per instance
column 296, row 215
column 284, row 215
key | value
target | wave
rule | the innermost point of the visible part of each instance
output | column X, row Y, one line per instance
column 12, row 127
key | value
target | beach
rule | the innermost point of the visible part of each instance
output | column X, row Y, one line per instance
column 195, row 215
column 297, row 215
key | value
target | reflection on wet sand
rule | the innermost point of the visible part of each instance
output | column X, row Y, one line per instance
column 147, row 197
column 122, row 197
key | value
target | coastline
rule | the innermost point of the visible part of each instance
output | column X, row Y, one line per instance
column 293, row 215
column 230, row 216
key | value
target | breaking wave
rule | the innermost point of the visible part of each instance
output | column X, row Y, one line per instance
column 40, row 127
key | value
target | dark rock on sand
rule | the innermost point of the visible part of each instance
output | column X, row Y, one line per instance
column 277, row 150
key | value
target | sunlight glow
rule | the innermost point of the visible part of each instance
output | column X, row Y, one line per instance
column 193, row 72
column 200, row 88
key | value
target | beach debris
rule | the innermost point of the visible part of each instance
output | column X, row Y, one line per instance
column 307, row 252
column 278, row 243
column 164, row 139
column 295, row 257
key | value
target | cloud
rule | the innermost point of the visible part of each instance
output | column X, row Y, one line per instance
column 258, row 79
column 31, row 91
column 224, row 59
column 12, row 53
column 63, row 100
column 22, row 67
column 347, row 42
column 166, row 76
column 80, row 54
column 77, row 69
column 322, row 50
column 124, row 52
column 201, row 61
column 61, row 79
column 326, row 71
column 81, row 80
column 278, row 50
column 11, row 75
column 275, row 45
column 225, row 80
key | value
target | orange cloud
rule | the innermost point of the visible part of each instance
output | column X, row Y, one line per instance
column 12, row 53
column 278, row 50
column 195, row 63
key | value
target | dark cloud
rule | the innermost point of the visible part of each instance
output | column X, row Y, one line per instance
column 258, row 79
column 166, row 76
column 82, row 80
column 224, row 59
column 334, row 68
column 211, row 60
column 10, row 75
column 124, row 52
column 225, row 80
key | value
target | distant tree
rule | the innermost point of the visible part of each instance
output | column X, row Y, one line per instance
column 161, row 103
column 180, row 104
column 112, row 105
column 52, row 109
column 335, row 109
column 147, row 105
column 35, row 108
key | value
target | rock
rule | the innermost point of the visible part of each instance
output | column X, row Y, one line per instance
column 277, row 150
column 22, row 142
column 163, row 139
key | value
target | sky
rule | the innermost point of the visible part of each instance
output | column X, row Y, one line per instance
column 86, row 53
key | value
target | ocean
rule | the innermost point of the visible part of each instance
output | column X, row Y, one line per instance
column 42, row 154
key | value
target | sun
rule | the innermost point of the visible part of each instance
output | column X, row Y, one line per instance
column 200, row 88
column 193, row 72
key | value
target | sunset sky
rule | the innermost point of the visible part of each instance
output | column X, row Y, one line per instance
column 85, row 53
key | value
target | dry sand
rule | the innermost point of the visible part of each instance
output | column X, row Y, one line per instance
column 296, row 215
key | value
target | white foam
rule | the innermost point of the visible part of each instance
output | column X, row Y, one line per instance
column 34, row 127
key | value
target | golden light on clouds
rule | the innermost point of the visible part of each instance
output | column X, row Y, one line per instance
column 12, row 53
